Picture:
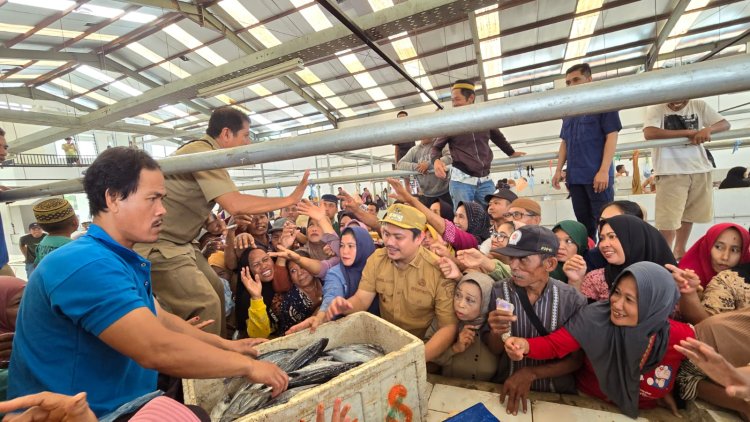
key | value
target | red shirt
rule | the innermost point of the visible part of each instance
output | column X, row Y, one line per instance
column 655, row 384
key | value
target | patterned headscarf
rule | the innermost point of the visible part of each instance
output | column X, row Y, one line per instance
column 479, row 220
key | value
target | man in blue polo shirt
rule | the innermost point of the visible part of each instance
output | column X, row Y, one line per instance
column 588, row 146
column 88, row 321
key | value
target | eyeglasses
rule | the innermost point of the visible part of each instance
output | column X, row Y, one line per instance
column 500, row 236
column 517, row 215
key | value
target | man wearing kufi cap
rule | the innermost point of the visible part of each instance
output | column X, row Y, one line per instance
column 405, row 278
column 525, row 211
column 470, row 177
column 57, row 218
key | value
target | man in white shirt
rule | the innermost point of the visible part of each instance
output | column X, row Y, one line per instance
column 683, row 172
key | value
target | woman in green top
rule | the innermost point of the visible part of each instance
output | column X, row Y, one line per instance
column 573, row 239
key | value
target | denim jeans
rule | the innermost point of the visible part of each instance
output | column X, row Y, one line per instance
column 29, row 269
column 462, row 192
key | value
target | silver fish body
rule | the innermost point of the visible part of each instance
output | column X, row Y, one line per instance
column 303, row 356
column 356, row 353
column 230, row 387
column 318, row 373
column 276, row 356
column 247, row 400
column 287, row 395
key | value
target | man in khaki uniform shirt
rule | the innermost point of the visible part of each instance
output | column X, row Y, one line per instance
column 409, row 284
column 183, row 282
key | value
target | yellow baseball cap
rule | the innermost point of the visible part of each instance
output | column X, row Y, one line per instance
column 404, row 216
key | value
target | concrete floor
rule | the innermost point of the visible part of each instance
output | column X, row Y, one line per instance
column 449, row 396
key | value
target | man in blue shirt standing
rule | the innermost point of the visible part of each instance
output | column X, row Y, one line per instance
column 88, row 320
column 588, row 146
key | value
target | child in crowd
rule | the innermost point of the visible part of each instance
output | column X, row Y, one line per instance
column 57, row 218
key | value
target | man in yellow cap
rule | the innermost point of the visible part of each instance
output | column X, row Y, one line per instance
column 406, row 280
column 470, row 177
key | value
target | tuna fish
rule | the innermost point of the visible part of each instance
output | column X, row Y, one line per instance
column 318, row 373
column 230, row 387
column 276, row 356
column 287, row 395
column 303, row 356
column 356, row 353
column 247, row 400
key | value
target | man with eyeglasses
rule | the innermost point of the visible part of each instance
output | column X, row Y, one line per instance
column 540, row 305
column 498, row 205
column 525, row 211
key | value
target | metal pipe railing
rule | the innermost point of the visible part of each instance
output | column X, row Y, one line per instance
column 724, row 75
column 722, row 139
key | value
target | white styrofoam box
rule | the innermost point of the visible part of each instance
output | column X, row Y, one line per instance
column 546, row 411
column 365, row 388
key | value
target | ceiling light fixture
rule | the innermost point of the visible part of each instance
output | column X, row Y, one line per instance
column 258, row 76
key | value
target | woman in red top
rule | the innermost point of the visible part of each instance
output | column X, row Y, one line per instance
column 628, row 341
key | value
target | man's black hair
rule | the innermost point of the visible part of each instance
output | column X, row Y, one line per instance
column 584, row 68
column 226, row 117
column 2, row 132
column 619, row 166
column 415, row 233
column 115, row 172
column 402, row 112
column 464, row 91
column 60, row 226
column 627, row 207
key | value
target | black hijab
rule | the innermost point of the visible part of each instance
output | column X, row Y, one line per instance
column 615, row 352
column 735, row 179
column 640, row 241
column 479, row 221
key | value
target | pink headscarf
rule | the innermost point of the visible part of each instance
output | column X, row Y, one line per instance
column 698, row 257
column 9, row 287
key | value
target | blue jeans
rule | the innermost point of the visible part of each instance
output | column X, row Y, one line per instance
column 29, row 269
column 587, row 204
column 462, row 192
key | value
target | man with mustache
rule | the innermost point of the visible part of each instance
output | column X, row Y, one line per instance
column 407, row 281
column 183, row 281
column 532, row 251
column 88, row 321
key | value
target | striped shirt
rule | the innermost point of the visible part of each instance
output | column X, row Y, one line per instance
column 557, row 303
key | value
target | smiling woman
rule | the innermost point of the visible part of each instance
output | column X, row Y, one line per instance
column 628, row 340
column 623, row 240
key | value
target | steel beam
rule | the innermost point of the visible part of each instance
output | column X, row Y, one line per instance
column 677, row 11
column 720, row 76
column 72, row 122
column 381, row 24
column 38, row 94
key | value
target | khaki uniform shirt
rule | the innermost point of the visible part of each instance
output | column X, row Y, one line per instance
column 189, row 201
column 410, row 298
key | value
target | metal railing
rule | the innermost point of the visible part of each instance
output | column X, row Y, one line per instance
column 47, row 160
column 720, row 76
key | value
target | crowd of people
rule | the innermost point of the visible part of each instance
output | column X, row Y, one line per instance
column 162, row 286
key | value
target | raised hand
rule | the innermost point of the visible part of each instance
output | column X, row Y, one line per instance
column 449, row 268
column 243, row 241
column 400, row 193
column 299, row 191
column 575, row 269
column 252, row 284
column 316, row 212
column 472, row 258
